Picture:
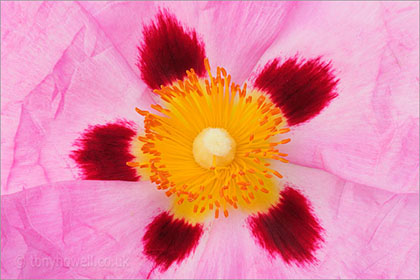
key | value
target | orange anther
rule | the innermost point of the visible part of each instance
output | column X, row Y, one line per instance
column 265, row 110
column 284, row 141
column 278, row 121
column 141, row 112
column 283, row 160
column 277, row 174
column 283, row 130
column 268, row 136
column 226, row 213
column 157, row 107
column 275, row 111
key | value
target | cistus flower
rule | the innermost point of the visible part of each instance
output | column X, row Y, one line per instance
column 211, row 140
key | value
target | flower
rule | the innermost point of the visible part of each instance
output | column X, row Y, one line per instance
column 353, row 172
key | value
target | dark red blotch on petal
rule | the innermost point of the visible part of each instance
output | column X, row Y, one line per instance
column 103, row 151
column 301, row 90
column 168, row 50
column 289, row 228
column 168, row 239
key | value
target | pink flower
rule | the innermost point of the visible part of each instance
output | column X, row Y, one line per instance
column 79, row 191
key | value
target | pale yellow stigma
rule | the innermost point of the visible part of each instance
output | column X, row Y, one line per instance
column 213, row 147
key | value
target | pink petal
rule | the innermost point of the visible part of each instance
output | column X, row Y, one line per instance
column 369, row 134
column 122, row 22
column 78, row 229
column 62, row 75
column 369, row 233
column 226, row 251
column 236, row 35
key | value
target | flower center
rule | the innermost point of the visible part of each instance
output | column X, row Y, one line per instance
column 210, row 146
column 213, row 147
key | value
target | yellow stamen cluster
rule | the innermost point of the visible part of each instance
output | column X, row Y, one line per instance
column 193, row 105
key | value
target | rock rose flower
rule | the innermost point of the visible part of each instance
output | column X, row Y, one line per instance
column 210, row 140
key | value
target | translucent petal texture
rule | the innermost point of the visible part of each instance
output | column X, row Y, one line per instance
column 369, row 233
column 104, row 150
column 369, row 133
column 78, row 79
column 78, row 229
column 241, row 33
column 231, row 31
column 122, row 22
column 168, row 50
column 82, row 71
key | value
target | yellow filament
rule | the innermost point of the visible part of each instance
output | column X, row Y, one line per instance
column 190, row 106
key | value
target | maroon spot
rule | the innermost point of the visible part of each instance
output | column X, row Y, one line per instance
column 168, row 51
column 301, row 90
column 168, row 240
column 103, row 151
column 289, row 228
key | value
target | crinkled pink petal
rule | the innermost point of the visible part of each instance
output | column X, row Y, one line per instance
column 236, row 35
column 61, row 77
column 369, row 233
column 369, row 134
column 122, row 22
column 78, row 229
